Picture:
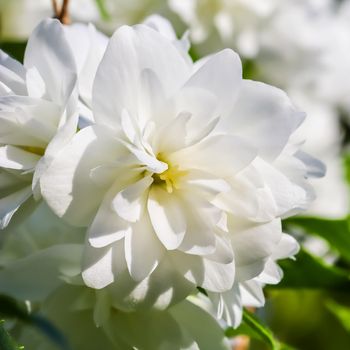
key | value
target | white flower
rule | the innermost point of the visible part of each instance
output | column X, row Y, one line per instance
column 249, row 293
column 237, row 22
column 20, row 17
column 184, row 177
column 37, row 114
column 41, row 257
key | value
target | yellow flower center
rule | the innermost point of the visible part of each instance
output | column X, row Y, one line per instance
column 170, row 177
column 36, row 150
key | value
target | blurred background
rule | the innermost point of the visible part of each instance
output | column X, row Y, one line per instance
column 303, row 47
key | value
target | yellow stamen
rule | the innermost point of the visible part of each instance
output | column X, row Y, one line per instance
column 170, row 177
column 36, row 150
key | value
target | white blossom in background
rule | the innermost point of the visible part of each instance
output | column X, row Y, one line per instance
column 310, row 66
column 182, row 180
column 40, row 262
column 37, row 114
column 20, row 17
column 233, row 23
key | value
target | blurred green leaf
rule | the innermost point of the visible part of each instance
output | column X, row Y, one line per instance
column 253, row 327
column 6, row 342
column 14, row 49
column 347, row 167
column 101, row 5
column 341, row 312
column 10, row 308
column 311, row 272
column 335, row 232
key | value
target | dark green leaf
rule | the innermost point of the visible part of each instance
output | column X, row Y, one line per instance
column 335, row 232
column 14, row 49
column 341, row 312
column 311, row 272
column 252, row 327
column 10, row 308
column 6, row 342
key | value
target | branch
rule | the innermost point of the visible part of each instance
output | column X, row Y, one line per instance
column 61, row 14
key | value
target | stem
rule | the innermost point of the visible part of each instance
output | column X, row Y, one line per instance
column 64, row 18
column 61, row 14
column 55, row 8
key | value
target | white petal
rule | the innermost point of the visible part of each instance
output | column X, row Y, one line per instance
column 143, row 250
column 267, row 123
column 221, row 74
column 203, row 327
column 202, row 218
column 107, row 226
column 222, row 155
column 16, row 158
column 286, row 248
column 252, row 294
column 97, row 267
column 18, row 280
column 167, row 217
column 10, row 204
column 49, row 52
column 67, row 186
column 253, row 245
column 208, row 274
column 130, row 202
column 272, row 273
column 118, row 85
column 12, row 74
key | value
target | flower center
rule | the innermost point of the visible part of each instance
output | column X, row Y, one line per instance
column 170, row 177
column 36, row 150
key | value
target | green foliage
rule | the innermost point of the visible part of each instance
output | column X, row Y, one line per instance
column 253, row 327
column 6, row 342
column 309, row 271
column 103, row 10
column 14, row 49
column 10, row 308
column 341, row 312
column 335, row 232
column 347, row 167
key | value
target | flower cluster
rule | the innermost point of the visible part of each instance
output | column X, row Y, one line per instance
column 146, row 177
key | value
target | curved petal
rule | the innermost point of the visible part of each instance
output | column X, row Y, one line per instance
column 139, row 240
column 167, row 217
column 97, row 267
column 222, row 155
column 130, row 203
column 66, row 185
column 253, row 245
column 48, row 51
column 18, row 280
column 118, row 84
column 267, row 123
column 221, row 75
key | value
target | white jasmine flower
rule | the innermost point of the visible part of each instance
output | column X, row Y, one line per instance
column 249, row 293
column 37, row 114
column 237, row 22
column 184, row 177
column 20, row 17
column 42, row 255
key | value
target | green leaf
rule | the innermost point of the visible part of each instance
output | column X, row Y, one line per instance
column 10, row 308
column 347, row 167
column 103, row 10
column 14, row 49
column 335, row 232
column 341, row 312
column 311, row 272
column 252, row 327
column 6, row 342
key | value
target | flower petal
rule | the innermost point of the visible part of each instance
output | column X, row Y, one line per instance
column 167, row 217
